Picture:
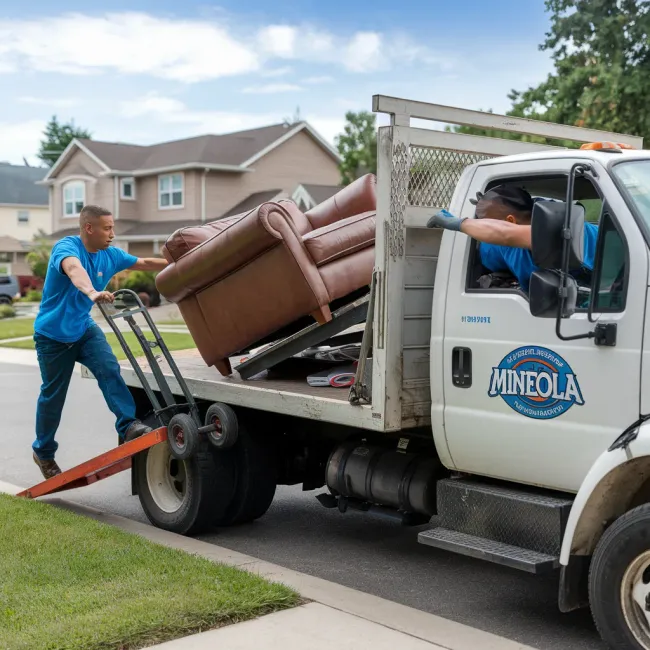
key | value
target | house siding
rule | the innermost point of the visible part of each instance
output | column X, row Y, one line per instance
column 298, row 160
column 98, row 191
column 147, row 199
column 141, row 249
column 39, row 218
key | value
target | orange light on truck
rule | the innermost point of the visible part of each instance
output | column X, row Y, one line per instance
column 606, row 145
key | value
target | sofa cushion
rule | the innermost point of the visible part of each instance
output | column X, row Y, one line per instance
column 341, row 238
column 185, row 239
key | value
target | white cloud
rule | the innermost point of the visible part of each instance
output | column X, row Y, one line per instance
column 364, row 52
column 20, row 139
column 59, row 102
column 271, row 89
column 323, row 79
column 167, row 110
column 129, row 43
column 188, row 50
column 174, row 114
column 277, row 72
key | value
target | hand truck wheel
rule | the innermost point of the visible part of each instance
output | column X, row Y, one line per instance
column 224, row 419
column 183, row 436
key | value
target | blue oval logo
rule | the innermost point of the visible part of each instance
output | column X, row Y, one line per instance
column 536, row 382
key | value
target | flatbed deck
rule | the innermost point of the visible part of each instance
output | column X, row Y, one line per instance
column 284, row 395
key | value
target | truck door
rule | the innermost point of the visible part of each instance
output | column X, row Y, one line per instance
column 521, row 404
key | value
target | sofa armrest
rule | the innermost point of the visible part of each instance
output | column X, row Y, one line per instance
column 228, row 250
column 341, row 238
column 359, row 196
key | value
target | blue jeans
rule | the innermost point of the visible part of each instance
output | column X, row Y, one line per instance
column 57, row 361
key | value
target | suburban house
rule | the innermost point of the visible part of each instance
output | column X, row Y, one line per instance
column 24, row 211
column 154, row 190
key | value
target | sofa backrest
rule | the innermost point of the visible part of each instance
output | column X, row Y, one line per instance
column 359, row 196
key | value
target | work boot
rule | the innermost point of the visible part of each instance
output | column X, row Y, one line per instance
column 135, row 430
column 48, row 468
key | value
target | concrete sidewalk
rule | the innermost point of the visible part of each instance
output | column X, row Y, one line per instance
column 312, row 626
column 343, row 616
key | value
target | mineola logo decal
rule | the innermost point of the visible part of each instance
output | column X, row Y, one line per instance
column 536, row 382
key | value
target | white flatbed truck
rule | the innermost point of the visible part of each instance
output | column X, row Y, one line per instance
column 515, row 423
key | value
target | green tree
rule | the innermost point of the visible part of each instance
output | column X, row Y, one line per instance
column 39, row 257
column 357, row 146
column 601, row 54
column 56, row 138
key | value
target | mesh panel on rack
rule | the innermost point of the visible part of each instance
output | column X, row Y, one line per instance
column 435, row 173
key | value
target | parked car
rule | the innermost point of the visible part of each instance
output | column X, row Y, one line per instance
column 9, row 289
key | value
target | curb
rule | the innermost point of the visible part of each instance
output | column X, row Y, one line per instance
column 413, row 622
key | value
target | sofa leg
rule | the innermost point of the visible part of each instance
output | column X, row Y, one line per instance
column 224, row 367
column 322, row 315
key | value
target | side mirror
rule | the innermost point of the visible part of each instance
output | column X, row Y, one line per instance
column 547, row 240
column 544, row 294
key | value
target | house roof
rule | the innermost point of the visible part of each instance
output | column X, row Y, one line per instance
column 251, row 201
column 233, row 151
column 18, row 185
column 12, row 245
column 321, row 193
column 153, row 228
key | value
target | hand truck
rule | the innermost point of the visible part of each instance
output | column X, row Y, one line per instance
column 180, row 424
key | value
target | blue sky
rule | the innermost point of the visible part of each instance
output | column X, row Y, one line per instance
column 143, row 71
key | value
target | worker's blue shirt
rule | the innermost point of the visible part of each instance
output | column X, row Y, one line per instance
column 519, row 261
column 64, row 314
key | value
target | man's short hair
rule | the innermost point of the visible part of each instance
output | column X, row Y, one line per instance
column 90, row 212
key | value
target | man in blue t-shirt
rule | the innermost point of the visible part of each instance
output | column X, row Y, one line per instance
column 503, row 229
column 79, row 269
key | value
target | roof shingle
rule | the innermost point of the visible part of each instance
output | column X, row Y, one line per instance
column 229, row 149
column 18, row 185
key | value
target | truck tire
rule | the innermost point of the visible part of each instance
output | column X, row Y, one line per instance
column 183, row 496
column 253, row 463
column 619, row 582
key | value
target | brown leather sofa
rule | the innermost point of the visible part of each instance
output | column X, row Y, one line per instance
column 240, row 279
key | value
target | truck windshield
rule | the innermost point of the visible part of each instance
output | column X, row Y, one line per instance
column 635, row 177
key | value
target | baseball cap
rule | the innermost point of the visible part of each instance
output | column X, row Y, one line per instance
column 515, row 197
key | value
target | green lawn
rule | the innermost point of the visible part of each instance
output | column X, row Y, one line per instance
column 72, row 583
column 174, row 341
column 11, row 328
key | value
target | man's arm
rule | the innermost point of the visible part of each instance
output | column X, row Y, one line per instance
column 71, row 266
column 501, row 233
column 150, row 264
column 489, row 231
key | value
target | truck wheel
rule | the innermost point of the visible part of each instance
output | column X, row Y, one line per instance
column 225, row 421
column 182, row 436
column 619, row 582
column 183, row 496
column 253, row 462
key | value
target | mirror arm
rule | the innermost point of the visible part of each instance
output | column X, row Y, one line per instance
column 566, row 236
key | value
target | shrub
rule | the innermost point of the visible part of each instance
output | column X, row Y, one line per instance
column 33, row 296
column 143, row 282
column 7, row 311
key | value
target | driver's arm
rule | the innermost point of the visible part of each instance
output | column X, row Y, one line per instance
column 501, row 233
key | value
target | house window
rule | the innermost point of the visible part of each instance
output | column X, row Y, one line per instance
column 6, row 258
column 127, row 189
column 23, row 216
column 74, row 198
column 170, row 191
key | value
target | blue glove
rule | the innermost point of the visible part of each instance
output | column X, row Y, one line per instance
column 446, row 220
